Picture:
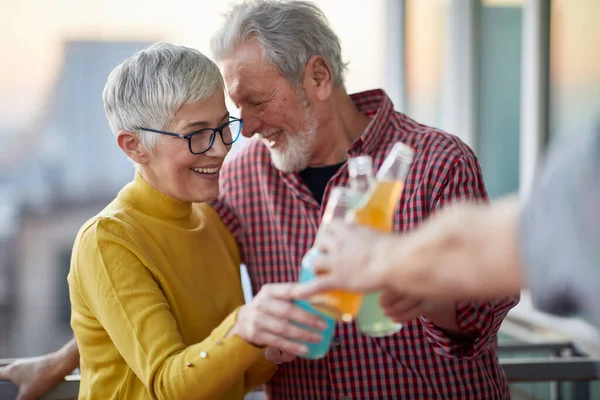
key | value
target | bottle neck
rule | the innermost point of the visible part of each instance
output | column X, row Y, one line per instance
column 361, row 183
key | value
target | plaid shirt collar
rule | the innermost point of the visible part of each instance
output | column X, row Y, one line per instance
column 376, row 105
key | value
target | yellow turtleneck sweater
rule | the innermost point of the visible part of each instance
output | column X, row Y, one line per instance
column 155, row 288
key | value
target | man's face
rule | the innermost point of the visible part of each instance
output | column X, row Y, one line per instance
column 272, row 108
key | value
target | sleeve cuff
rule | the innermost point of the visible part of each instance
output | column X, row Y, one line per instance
column 476, row 321
column 219, row 334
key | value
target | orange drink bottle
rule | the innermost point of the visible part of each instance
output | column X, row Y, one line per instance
column 339, row 304
column 377, row 211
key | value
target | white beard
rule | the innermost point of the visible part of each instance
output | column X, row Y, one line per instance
column 298, row 147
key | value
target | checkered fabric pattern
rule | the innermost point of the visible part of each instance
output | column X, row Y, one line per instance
column 275, row 218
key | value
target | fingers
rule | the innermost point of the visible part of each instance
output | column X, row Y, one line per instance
column 331, row 237
column 314, row 287
column 287, row 357
column 286, row 329
column 400, row 308
column 4, row 374
column 285, row 310
column 276, row 355
column 335, row 227
column 323, row 263
column 297, row 349
column 279, row 291
column 389, row 299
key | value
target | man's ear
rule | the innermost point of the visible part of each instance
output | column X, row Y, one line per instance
column 318, row 77
column 130, row 143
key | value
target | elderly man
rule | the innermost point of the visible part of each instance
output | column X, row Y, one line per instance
column 283, row 68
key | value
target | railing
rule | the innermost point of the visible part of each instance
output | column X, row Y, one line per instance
column 569, row 366
column 66, row 390
column 539, row 355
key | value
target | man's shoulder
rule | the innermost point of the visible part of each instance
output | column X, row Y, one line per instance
column 431, row 144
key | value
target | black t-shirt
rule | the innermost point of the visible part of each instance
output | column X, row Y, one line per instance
column 316, row 179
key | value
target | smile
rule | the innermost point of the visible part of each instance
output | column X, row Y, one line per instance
column 271, row 139
column 208, row 171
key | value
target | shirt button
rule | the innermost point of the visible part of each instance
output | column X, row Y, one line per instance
column 344, row 397
column 203, row 354
column 337, row 341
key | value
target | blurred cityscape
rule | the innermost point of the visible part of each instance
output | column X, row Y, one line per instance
column 60, row 164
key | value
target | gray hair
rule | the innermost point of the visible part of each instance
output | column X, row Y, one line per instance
column 289, row 33
column 148, row 89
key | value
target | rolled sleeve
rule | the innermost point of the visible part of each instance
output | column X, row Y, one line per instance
column 479, row 323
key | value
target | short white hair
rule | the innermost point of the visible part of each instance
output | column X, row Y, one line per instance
column 147, row 89
column 289, row 33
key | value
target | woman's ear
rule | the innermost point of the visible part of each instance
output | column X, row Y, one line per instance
column 129, row 142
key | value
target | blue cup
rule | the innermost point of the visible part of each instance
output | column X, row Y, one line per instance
column 320, row 349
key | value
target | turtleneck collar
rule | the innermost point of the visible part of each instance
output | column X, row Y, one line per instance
column 143, row 197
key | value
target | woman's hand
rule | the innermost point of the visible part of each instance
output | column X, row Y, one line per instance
column 278, row 356
column 270, row 320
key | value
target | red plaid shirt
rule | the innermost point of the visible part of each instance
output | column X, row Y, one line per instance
column 274, row 219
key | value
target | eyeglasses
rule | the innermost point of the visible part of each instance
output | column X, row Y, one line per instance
column 201, row 141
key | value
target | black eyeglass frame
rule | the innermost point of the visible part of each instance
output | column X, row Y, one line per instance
column 213, row 131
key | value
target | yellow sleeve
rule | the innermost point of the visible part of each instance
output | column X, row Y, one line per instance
column 111, row 277
column 260, row 372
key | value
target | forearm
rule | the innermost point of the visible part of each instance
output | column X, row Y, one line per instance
column 466, row 251
column 64, row 360
column 68, row 357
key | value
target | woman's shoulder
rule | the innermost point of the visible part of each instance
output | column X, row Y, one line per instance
column 113, row 219
column 111, row 226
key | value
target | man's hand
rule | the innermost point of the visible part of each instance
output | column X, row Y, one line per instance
column 402, row 308
column 35, row 376
column 353, row 258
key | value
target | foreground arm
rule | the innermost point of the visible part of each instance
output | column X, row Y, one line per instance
column 35, row 376
column 466, row 251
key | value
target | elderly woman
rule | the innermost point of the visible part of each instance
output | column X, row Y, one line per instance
column 155, row 283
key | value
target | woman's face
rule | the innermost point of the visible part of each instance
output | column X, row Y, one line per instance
column 173, row 170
